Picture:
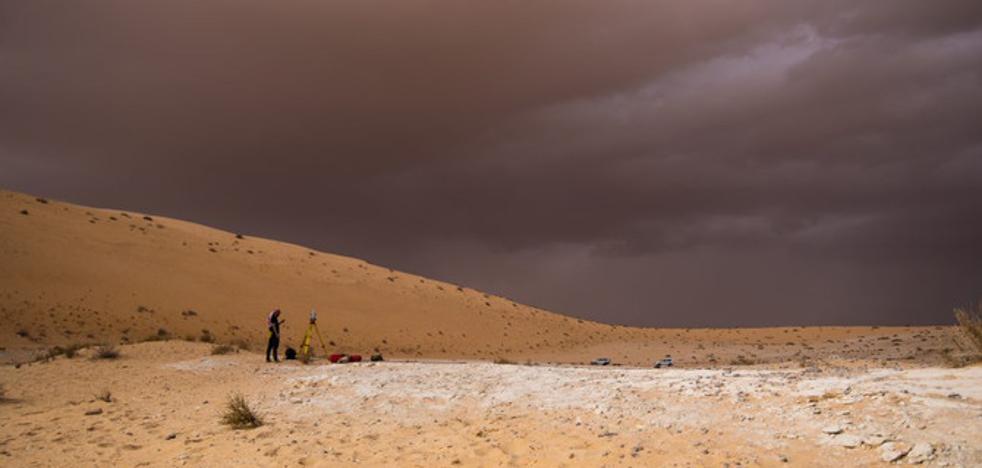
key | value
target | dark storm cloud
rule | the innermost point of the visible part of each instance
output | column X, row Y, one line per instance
column 675, row 163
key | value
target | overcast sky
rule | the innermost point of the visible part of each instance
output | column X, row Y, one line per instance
column 675, row 163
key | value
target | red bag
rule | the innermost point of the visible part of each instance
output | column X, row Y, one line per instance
column 343, row 358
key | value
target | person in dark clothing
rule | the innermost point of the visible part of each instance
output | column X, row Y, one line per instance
column 273, row 323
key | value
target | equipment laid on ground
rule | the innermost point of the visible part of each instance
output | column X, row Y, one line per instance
column 306, row 351
column 343, row 358
column 600, row 362
column 666, row 362
column 376, row 357
column 291, row 353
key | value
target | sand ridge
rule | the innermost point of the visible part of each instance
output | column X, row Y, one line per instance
column 74, row 274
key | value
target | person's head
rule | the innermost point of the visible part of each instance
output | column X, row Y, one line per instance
column 276, row 313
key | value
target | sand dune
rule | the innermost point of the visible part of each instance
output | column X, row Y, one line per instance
column 74, row 274
column 158, row 287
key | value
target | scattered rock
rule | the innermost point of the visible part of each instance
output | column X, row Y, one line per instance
column 920, row 453
column 848, row 441
column 171, row 436
column 93, row 412
column 782, row 458
column 875, row 441
column 832, row 430
column 893, row 451
column 955, row 396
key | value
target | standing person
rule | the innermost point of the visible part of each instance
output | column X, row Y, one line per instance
column 273, row 323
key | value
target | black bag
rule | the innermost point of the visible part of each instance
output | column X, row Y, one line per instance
column 291, row 353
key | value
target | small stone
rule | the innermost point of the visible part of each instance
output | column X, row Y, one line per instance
column 875, row 441
column 782, row 458
column 848, row 441
column 171, row 436
column 920, row 453
column 93, row 412
column 955, row 396
column 832, row 430
column 893, row 451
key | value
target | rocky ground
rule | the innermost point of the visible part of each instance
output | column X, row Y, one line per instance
column 166, row 398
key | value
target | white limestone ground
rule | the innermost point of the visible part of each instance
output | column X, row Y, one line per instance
column 938, row 411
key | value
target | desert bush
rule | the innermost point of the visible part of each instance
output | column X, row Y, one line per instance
column 206, row 337
column 502, row 360
column 106, row 352
column 742, row 360
column 72, row 349
column 241, row 344
column 970, row 322
column 222, row 349
column 105, row 396
column 238, row 414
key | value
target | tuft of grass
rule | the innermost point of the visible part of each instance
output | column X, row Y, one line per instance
column 105, row 396
column 238, row 414
column 241, row 344
column 970, row 322
column 106, row 352
column 222, row 349
column 742, row 360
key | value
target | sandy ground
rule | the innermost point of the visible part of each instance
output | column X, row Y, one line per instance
column 167, row 397
column 166, row 289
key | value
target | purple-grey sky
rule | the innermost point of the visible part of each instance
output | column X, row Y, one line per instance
column 677, row 163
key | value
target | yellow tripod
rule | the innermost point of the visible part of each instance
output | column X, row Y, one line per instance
column 306, row 352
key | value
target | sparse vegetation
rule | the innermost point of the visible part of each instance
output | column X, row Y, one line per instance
column 161, row 335
column 742, row 360
column 106, row 352
column 105, row 396
column 206, row 337
column 222, row 349
column 238, row 414
column 970, row 322
column 502, row 360
column 241, row 344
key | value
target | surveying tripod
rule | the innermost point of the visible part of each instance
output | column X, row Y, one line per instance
column 306, row 351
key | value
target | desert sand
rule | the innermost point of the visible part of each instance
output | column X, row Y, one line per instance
column 470, row 378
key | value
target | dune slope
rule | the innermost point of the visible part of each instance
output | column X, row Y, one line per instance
column 75, row 274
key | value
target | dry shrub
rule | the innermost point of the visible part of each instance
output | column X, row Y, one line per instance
column 502, row 360
column 238, row 414
column 206, row 337
column 742, row 360
column 970, row 322
column 106, row 352
column 105, row 396
column 222, row 349
column 241, row 344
